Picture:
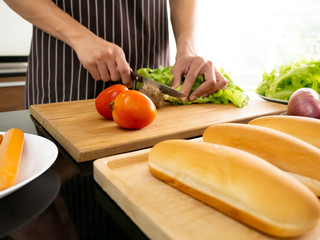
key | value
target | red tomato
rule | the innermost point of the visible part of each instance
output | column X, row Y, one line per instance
column 106, row 97
column 133, row 110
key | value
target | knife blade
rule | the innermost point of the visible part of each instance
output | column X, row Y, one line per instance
column 135, row 77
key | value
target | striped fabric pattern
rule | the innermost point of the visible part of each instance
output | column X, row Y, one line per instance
column 139, row 27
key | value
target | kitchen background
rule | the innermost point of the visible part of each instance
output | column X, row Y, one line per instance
column 244, row 37
column 15, row 38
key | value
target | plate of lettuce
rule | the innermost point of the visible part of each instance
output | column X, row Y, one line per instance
column 279, row 84
column 231, row 94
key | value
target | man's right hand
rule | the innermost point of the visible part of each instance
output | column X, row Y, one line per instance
column 104, row 60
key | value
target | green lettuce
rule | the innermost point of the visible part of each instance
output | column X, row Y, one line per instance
column 232, row 94
column 282, row 82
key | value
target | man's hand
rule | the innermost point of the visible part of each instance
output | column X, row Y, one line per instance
column 192, row 66
column 104, row 60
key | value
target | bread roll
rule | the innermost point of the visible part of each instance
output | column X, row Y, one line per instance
column 239, row 184
column 283, row 150
column 312, row 184
column 304, row 128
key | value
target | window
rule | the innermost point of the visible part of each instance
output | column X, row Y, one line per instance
column 15, row 33
column 250, row 36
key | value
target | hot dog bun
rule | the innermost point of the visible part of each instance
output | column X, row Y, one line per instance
column 283, row 150
column 237, row 183
column 311, row 183
column 304, row 128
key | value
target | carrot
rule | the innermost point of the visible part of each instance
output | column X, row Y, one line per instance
column 1, row 137
column 10, row 155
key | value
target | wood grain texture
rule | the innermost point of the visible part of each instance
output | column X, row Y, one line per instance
column 12, row 98
column 163, row 212
column 87, row 136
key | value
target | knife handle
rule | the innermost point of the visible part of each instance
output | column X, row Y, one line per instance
column 135, row 78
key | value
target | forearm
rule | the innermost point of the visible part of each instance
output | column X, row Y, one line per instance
column 45, row 15
column 183, row 24
column 187, row 62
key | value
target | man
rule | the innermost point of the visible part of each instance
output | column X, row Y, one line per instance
column 76, row 44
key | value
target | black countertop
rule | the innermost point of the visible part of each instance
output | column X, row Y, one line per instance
column 64, row 202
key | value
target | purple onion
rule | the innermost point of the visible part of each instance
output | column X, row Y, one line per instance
column 304, row 102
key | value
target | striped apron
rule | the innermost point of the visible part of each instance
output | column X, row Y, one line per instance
column 139, row 27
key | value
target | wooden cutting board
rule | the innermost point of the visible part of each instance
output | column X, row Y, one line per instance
column 163, row 212
column 85, row 135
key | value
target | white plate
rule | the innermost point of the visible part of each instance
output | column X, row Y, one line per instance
column 38, row 154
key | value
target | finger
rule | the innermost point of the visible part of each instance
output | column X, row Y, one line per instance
column 191, row 77
column 222, row 82
column 124, row 71
column 103, row 71
column 93, row 70
column 113, row 70
column 208, row 71
column 208, row 86
column 177, row 75
column 203, row 90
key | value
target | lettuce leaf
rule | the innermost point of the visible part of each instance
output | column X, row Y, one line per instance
column 232, row 94
column 282, row 82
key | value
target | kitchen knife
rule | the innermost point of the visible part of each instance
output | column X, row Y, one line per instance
column 163, row 88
